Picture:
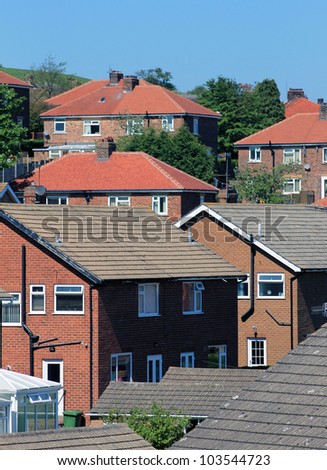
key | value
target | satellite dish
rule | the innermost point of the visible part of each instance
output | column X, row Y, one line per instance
column 307, row 167
column 40, row 190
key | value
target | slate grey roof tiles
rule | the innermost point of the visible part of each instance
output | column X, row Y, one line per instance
column 284, row 408
column 111, row 437
column 112, row 243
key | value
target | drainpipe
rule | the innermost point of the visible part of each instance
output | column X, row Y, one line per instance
column 250, row 312
column 32, row 338
column 294, row 278
column 91, row 345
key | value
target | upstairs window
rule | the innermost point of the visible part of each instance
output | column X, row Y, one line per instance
column 11, row 310
column 192, row 297
column 134, row 125
column 292, row 156
column 271, row 286
column 59, row 200
column 37, row 299
column 160, row 205
column 148, row 300
column 114, row 201
column 167, row 123
column 69, row 299
column 59, row 126
column 324, row 155
column 255, row 154
column 91, row 127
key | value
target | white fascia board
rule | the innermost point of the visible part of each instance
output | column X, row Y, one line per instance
column 238, row 231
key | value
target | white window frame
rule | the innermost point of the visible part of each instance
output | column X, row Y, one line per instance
column 324, row 154
column 46, row 364
column 59, row 121
column 157, row 202
column 119, row 201
column 115, row 357
column 254, row 154
column 54, row 154
column 68, row 312
column 151, row 364
column 134, row 125
column 60, row 199
column 142, row 289
column 167, row 122
column 292, row 155
column 257, row 363
column 87, row 127
column 187, row 358
column 293, row 182
column 247, row 283
column 13, row 302
column 32, row 294
column 198, row 288
column 323, row 181
column 272, row 281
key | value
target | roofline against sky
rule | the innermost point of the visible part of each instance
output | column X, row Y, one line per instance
column 115, row 116
column 239, row 231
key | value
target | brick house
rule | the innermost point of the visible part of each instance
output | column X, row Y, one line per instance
column 284, row 298
column 107, row 177
column 22, row 90
column 300, row 139
column 120, row 106
column 104, row 294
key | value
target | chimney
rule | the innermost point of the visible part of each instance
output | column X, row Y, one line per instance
column 323, row 110
column 115, row 77
column 104, row 149
column 320, row 101
column 294, row 93
column 29, row 194
column 130, row 83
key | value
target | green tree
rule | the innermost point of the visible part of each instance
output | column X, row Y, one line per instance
column 157, row 76
column 244, row 109
column 259, row 184
column 11, row 133
column 160, row 427
column 180, row 149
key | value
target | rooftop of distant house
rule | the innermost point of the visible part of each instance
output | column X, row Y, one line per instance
column 6, row 79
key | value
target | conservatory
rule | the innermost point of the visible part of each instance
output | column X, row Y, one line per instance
column 27, row 403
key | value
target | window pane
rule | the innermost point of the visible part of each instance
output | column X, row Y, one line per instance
column 121, row 367
column 69, row 302
column 188, row 297
column 258, row 352
column 68, row 288
column 38, row 303
column 243, row 289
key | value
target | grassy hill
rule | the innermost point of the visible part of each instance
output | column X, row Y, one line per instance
column 24, row 74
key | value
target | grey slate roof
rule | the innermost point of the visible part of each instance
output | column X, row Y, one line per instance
column 301, row 235
column 110, row 243
column 285, row 408
column 190, row 392
column 112, row 437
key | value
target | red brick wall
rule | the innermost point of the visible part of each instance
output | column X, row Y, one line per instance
column 310, row 180
column 116, row 325
column 238, row 253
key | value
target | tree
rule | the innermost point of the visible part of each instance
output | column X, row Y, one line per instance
column 180, row 149
column 260, row 185
column 157, row 426
column 244, row 109
column 157, row 77
column 11, row 133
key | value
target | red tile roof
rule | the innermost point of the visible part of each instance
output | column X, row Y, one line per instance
column 77, row 92
column 306, row 128
column 145, row 98
column 300, row 105
column 6, row 79
column 321, row 202
column 123, row 171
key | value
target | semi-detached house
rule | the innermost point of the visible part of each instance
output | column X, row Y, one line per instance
column 103, row 294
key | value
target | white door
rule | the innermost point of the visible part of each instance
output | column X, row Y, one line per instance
column 54, row 370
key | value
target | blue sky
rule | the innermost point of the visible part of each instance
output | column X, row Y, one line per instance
column 195, row 40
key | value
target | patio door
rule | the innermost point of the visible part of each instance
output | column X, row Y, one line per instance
column 154, row 368
column 54, row 370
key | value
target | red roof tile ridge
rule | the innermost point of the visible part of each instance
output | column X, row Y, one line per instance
column 157, row 164
column 67, row 92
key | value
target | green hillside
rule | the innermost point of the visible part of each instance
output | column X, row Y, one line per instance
column 24, row 74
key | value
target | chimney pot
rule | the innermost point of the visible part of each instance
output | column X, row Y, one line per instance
column 129, row 83
column 115, row 76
